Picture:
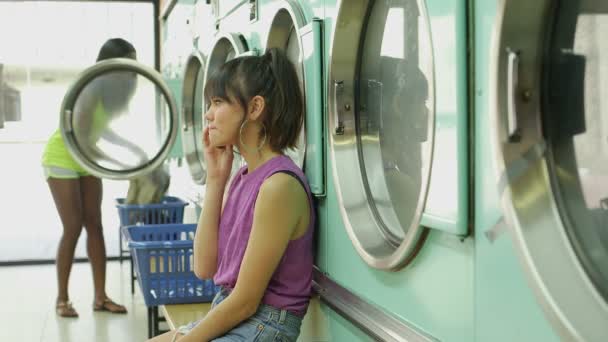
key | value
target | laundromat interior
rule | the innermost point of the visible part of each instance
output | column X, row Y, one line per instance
column 456, row 152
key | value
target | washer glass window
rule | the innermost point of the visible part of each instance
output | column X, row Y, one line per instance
column 382, row 106
column 392, row 120
column 576, row 122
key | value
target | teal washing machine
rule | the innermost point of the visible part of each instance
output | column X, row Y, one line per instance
column 176, row 28
column 180, row 29
column 541, row 162
column 192, row 107
column 230, row 29
column 210, row 49
column 394, row 255
column 250, row 27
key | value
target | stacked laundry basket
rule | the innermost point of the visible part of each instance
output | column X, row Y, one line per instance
column 161, row 248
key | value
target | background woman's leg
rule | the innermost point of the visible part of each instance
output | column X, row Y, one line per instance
column 66, row 194
column 92, row 193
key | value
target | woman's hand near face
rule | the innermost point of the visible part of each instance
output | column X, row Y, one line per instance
column 218, row 159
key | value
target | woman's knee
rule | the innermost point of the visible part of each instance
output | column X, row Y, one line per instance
column 71, row 234
column 93, row 227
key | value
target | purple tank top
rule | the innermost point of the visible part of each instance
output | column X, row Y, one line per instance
column 290, row 285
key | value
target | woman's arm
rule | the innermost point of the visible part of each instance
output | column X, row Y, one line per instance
column 206, row 237
column 281, row 204
column 116, row 139
column 219, row 165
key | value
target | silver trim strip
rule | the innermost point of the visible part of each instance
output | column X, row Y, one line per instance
column 375, row 322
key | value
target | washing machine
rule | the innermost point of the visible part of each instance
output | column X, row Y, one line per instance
column 541, row 160
column 179, row 40
column 394, row 245
column 212, row 48
column 247, row 28
column 192, row 104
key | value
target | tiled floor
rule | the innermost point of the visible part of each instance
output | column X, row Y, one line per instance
column 27, row 295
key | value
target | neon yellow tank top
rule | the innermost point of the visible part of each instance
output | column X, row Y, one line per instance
column 57, row 154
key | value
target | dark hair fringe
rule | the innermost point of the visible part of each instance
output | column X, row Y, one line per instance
column 272, row 76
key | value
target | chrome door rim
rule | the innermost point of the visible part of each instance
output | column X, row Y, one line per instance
column 571, row 302
column 69, row 101
column 297, row 19
column 234, row 39
column 194, row 158
column 341, row 70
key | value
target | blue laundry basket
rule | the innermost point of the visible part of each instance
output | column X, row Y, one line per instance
column 169, row 210
column 163, row 257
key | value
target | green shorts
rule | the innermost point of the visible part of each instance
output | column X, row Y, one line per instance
column 61, row 173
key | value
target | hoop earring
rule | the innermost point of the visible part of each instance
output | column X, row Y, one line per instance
column 258, row 148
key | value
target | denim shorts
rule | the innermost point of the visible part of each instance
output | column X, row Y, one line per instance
column 268, row 324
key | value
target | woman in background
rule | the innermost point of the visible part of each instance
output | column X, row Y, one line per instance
column 77, row 194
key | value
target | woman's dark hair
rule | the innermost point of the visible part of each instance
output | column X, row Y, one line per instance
column 115, row 48
column 271, row 76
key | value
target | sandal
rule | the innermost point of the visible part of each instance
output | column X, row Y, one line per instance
column 65, row 309
column 109, row 306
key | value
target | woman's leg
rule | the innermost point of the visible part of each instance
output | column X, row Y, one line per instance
column 92, row 193
column 66, row 194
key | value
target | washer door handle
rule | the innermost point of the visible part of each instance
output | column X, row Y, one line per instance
column 512, row 125
column 187, row 114
column 338, row 121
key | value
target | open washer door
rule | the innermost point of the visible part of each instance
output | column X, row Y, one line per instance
column 551, row 147
column 118, row 119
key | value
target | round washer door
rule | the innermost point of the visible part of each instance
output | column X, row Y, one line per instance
column 551, row 129
column 118, row 119
column 381, row 104
column 284, row 34
column 192, row 117
column 226, row 47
